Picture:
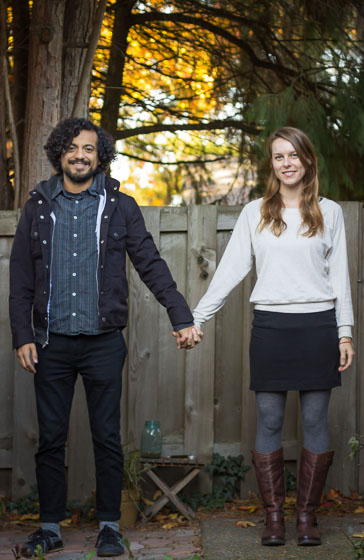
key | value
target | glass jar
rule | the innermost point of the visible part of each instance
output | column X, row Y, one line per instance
column 151, row 444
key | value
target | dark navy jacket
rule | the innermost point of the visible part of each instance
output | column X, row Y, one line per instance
column 122, row 230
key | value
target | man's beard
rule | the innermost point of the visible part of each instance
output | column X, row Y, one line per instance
column 75, row 178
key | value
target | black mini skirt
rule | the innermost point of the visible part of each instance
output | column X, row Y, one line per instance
column 294, row 351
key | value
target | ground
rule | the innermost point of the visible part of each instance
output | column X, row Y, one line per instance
column 215, row 535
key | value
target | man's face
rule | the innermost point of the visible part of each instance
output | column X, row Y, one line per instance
column 79, row 163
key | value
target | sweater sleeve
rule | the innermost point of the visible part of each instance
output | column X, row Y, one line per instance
column 339, row 277
column 234, row 265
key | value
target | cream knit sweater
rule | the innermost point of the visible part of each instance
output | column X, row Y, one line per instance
column 296, row 274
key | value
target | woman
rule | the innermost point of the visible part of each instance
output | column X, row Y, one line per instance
column 301, row 334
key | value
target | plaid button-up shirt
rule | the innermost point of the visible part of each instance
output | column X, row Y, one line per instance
column 74, row 266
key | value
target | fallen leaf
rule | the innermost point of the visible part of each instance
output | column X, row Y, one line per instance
column 245, row 524
column 249, row 509
column 148, row 502
column 333, row 494
column 359, row 509
column 29, row 517
column 169, row 525
column 66, row 523
column 157, row 494
column 359, row 535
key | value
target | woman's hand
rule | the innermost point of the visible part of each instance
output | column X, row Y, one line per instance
column 346, row 353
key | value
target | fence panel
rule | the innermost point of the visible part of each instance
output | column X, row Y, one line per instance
column 201, row 397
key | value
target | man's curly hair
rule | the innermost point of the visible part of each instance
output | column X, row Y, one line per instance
column 62, row 135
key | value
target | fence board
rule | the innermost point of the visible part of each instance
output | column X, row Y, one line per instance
column 201, row 397
column 143, row 345
column 80, row 458
column 25, row 440
column 200, row 362
column 6, row 360
column 171, row 381
column 228, row 348
column 343, row 419
column 359, row 357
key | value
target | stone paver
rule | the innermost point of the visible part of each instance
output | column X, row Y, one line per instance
column 222, row 540
column 146, row 543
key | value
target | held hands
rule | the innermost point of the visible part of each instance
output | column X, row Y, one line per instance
column 27, row 356
column 188, row 338
column 346, row 353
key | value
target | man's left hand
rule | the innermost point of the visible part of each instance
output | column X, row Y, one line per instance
column 188, row 338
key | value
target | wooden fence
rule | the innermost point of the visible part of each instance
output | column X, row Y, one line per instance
column 201, row 397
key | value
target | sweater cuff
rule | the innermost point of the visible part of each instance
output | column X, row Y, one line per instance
column 345, row 330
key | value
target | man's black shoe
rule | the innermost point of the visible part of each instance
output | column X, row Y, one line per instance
column 47, row 540
column 109, row 542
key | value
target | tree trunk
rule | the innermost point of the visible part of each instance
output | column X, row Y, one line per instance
column 21, row 23
column 78, row 23
column 44, row 88
column 114, row 78
column 6, row 191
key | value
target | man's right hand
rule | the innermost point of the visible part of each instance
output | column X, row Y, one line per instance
column 27, row 356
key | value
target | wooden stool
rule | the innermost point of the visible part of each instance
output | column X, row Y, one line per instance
column 170, row 493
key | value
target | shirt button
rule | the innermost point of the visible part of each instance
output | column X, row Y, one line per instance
column 115, row 188
column 115, row 234
column 73, row 314
column 75, row 254
column 103, row 319
column 47, row 266
column 102, row 241
column 44, row 242
column 77, row 201
column 112, row 199
column 106, row 217
column 75, row 217
column 102, row 293
column 40, row 201
column 73, row 293
column 44, row 292
column 102, row 266
column 41, row 217
column 74, row 274
column 35, row 234
column 75, row 235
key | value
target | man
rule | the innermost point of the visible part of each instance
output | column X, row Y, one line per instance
column 68, row 306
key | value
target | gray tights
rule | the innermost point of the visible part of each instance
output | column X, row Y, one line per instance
column 314, row 408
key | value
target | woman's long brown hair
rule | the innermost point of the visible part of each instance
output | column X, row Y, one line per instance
column 271, row 208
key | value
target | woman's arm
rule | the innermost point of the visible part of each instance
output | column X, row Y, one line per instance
column 234, row 265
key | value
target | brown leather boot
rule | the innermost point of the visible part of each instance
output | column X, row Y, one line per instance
column 313, row 472
column 270, row 477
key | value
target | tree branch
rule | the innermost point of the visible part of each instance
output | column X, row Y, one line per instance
column 179, row 162
column 212, row 125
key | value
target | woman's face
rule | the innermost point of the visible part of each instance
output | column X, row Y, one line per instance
column 287, row 166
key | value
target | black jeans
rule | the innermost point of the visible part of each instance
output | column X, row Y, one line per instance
column 99, row 359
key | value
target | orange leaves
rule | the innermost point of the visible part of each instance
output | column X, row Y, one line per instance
column 170, row 521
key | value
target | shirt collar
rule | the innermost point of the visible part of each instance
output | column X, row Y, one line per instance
column 95, row 189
